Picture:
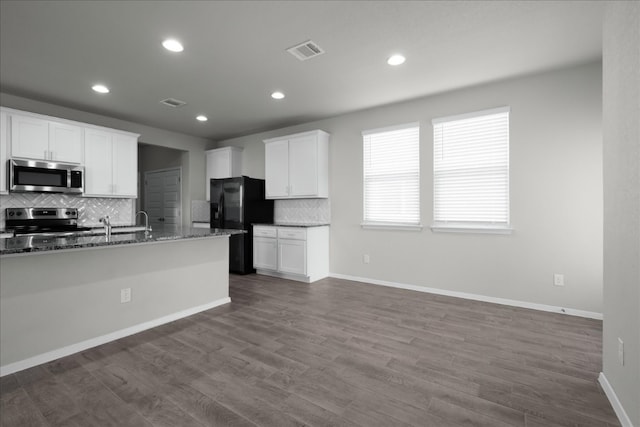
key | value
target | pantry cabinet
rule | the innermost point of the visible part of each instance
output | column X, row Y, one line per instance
column 225, row 162
column 111, row 164
column 43, row 139
column 296, row 253
column 297, row 166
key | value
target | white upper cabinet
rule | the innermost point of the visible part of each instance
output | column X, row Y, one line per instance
column 125, row 165
column 29, row 137
column 4, row 148
column 276, row 168
column 98, row 160
column 43, row 139
column 111, row 164
column 65, row 142
column 297, row 166
column 225, row 162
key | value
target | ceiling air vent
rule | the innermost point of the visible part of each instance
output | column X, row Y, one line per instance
column 306, row 50
column 171, row 102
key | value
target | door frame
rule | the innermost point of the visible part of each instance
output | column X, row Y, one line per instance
column 177, row 168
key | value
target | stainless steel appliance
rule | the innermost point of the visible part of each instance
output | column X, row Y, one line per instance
column 43, row 221
column 45, row 177
column 237, row 203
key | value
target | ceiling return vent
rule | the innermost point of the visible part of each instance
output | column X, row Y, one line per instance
column 306, row 50
column 171, row 102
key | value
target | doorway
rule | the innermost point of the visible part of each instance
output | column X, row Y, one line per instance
column 163, row 197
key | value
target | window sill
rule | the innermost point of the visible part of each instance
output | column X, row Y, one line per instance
column 470, row 229
column 391, row 226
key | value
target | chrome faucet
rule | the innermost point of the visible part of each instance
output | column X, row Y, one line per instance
column 147, row 228
column 107, row 225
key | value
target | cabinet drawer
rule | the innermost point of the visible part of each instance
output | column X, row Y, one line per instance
column 265, row 231
column 292, row 233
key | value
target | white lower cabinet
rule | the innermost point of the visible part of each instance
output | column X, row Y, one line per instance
column 292, row 256
column 297, row 253
column 265, row 253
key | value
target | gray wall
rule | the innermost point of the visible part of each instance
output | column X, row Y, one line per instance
column 556, row 194
column 193, row 159
column 73, row 297
column 621, row 128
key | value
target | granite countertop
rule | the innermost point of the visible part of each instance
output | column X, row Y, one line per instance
column 291, row 224
column 23, row 245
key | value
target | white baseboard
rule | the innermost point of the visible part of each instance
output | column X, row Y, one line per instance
column 93, row 342
column 615, row 403
column 503, row 301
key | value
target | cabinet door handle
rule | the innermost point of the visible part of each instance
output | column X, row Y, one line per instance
column 51, row 155
column 46, row 154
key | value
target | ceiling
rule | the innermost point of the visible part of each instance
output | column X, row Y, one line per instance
column 235, row 55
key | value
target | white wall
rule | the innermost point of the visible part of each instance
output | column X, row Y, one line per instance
column 556, row 194
column 621, row 93
column 193, row 159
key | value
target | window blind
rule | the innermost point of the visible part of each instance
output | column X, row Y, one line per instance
column 392, row 176
column 471, row 169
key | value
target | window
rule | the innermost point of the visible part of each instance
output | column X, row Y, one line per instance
column 471, row 172
column 392, row 176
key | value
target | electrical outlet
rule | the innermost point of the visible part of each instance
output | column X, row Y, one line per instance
column 125, row 295
column 620, row 351
column 366, row 259
column 558, row 279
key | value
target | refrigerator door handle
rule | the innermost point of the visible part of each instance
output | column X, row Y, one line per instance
column 220, row 211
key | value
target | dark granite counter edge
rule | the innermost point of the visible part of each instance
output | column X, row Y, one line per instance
column 98, row 241
column 306, row 225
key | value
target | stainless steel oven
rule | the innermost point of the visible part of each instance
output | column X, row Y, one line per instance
column 45, row 177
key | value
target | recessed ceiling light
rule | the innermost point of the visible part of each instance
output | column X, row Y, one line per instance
column 277, row 95
column 173, row 45
column 396, row 60
column 202, row 118
column 100, row 88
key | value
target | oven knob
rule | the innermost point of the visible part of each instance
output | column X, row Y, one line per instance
column 19, row 213
column 10, row 213
column 68, row 213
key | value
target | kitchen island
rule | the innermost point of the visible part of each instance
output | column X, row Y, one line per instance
column 62, row 295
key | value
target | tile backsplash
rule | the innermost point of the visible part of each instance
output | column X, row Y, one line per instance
column 90, row 209
column 302, row 211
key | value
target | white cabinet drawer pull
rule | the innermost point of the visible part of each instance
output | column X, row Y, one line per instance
column 298, row 234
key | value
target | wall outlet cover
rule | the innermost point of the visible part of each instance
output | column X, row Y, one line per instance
column 125, row 295
column 621, row 351
column 558, row 279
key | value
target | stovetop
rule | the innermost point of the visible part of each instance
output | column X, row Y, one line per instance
column 43, row 221
column 49, row 231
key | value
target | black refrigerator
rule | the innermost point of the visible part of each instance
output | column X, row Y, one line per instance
column 237, row 203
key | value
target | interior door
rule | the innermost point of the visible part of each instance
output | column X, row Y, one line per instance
column 163, row 198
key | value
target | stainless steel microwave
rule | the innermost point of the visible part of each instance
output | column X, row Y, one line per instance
column 45, row 177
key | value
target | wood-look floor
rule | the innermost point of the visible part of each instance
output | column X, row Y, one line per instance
column 333, row 353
